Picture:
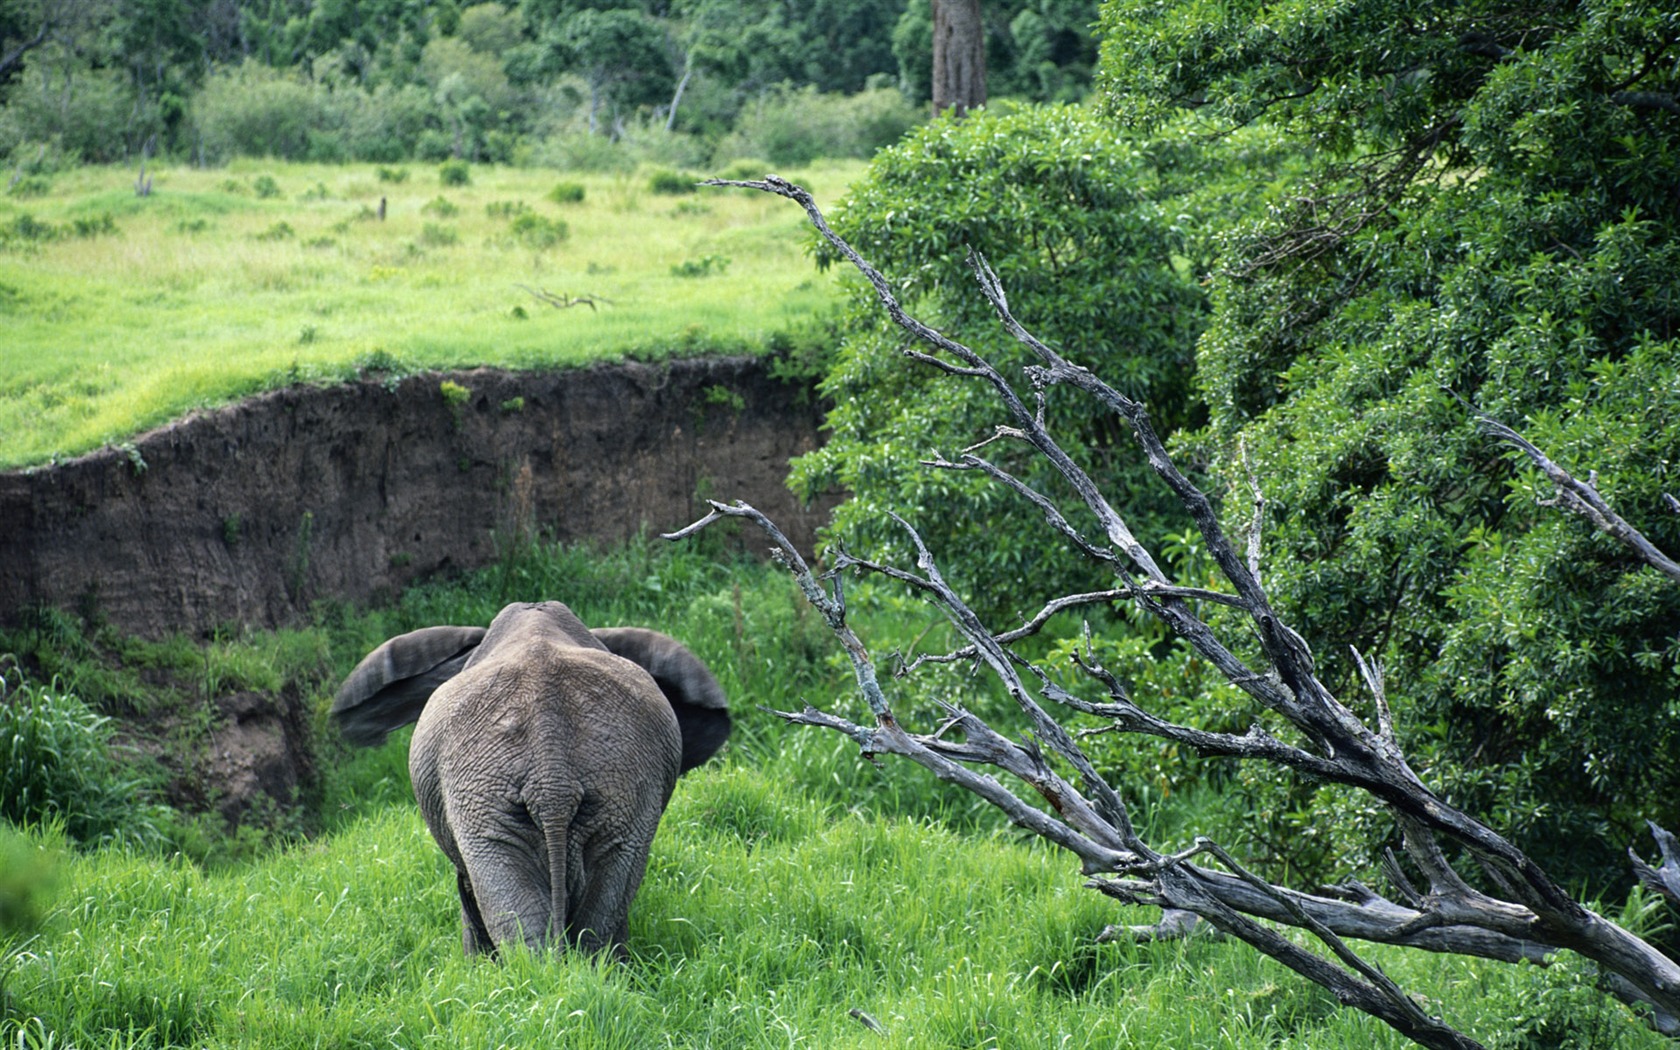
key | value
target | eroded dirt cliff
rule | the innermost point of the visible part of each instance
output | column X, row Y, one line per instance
column 246, row 514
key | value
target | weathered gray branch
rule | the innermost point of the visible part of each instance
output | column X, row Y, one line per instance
column 1582, row 497
column 1665, row 877
column 1529, row 916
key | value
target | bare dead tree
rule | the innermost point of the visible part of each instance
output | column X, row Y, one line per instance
column 1520, row 912
column 563, row 302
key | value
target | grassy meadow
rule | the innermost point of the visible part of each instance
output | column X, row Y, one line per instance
column 122, row 312
column 791, row 883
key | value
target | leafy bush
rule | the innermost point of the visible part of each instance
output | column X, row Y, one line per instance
column 797, row 127
column 1521, row 258
column 73, row 121
column 442, row 207
column 704, row 266
column 663, row 180
column 454, row 172
column 253, row 110
column 537, row 232
column 1090, row 232
column 433, row 235
column 566, row 193
column 56, row 768
column 29, row 873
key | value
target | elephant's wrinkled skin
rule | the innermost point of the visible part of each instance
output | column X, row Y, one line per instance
column 543, row 755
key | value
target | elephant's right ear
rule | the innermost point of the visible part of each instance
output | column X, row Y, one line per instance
column 700, row 704
column 389, row 688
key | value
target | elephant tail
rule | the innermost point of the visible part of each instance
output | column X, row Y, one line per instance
column 391, row 685
column 701, row 707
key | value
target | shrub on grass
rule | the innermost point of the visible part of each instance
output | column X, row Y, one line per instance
column 536, row 232
column 664, row 180
column 56, row 768
column 256, row 111
column 567, row 193
column 454, row 172
column 797, row 127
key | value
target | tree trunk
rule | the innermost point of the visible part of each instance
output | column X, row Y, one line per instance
column 959, row 56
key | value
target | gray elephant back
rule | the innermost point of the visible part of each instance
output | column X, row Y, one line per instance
column 700, row 704
column 390, row 686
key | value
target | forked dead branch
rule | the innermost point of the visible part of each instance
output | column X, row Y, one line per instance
column 1518, row 911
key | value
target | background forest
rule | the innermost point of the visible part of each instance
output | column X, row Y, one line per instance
column 389, row 80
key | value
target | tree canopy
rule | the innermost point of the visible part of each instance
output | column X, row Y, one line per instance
column 1459, row 209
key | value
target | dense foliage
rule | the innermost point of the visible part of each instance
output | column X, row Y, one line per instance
column 1475, row 211
column 1096, row 236
column 1492, row 224
column 386, row 80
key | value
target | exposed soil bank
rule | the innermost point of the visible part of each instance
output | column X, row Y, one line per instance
column 247, row 514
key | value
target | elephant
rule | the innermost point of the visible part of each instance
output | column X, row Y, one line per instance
column 543, row 756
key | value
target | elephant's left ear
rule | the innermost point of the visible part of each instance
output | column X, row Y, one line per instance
column 701, row 706
column 391, row 685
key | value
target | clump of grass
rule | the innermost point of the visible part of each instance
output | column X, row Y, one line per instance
column 280, row 231
column 395, row 176
column 30, row 186
column 705, row 266
column 434, row 236
column 506, row 209
column 265, row 187
column 567, row 193
column 57, row 768
column 455, row 172
column 537, row 232
column 442, row 207
column 665, row 181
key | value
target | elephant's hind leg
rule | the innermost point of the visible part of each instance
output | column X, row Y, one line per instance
column 507, row 869
column 475, row 935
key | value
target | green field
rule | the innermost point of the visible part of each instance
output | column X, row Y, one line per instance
column 791, row 883
column 122, row 312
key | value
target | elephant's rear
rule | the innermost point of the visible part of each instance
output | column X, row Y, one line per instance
column 552, row 766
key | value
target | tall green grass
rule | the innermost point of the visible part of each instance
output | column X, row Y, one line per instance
column 121, row 312
column 791, row 883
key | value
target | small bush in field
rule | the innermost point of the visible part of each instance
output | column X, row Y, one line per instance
column 56, row 767
column 704, row 266
column 266, row 188
column 434, row 236
column 567, row 193
column 535, row 231
column 442, row 207
column 454, row 172
column 664, row 180
column 392, row 175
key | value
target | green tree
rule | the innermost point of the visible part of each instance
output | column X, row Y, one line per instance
column 1094, row 234
column 621, row 53
column 1490, row 223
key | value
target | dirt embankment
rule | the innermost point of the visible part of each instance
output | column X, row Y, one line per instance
column 247, row 514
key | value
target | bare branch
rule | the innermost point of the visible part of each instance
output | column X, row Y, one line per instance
column 1665, row 877
column 1582, row 498
column 563, row 302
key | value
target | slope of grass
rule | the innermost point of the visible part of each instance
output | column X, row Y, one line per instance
column 764, row 922
column 121, row 312
column 791, row 883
